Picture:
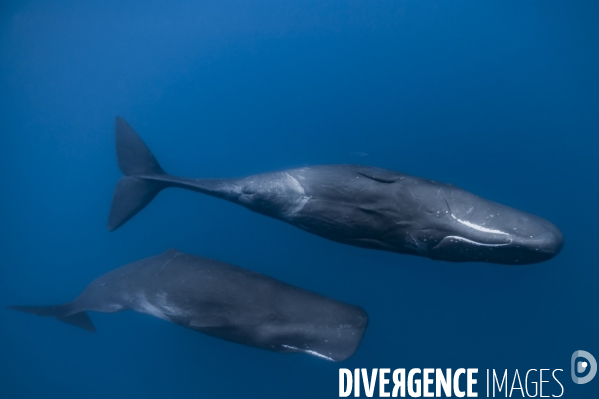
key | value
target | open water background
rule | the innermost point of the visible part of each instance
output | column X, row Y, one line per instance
column 500, row 98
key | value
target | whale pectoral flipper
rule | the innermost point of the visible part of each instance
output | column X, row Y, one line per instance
column 60, row 312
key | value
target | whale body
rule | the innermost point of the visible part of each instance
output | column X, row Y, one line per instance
column 223, row 301
column 357, row 205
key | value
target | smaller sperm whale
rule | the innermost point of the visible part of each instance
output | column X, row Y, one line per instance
column 358, row 205
column 223, row 301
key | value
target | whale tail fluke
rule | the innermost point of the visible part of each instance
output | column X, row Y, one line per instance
column 60, row 312
column 142, row 180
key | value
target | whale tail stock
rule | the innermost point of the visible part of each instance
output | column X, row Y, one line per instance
column 61, row 312
column 142, row 176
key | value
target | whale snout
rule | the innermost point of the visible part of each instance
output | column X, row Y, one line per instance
column 497, row 234
column 544, row 245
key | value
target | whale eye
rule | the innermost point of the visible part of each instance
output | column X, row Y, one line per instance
column 272, row 316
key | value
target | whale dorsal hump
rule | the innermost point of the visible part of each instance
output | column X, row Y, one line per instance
column 379, row 174
column 171, row 252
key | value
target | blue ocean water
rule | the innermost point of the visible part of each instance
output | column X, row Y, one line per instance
column 499, row 98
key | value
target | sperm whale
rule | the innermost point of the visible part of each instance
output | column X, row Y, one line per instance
column 223, row 301
column 357, row 205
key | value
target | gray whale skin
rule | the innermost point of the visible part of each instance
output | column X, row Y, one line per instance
column 352, row 204
column 221, row 300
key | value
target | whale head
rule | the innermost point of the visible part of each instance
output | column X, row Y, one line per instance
column 456, row 225
column 304, row 322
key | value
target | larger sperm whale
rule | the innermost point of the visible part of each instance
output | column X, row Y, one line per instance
column 358, row 205
column 221, row 300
